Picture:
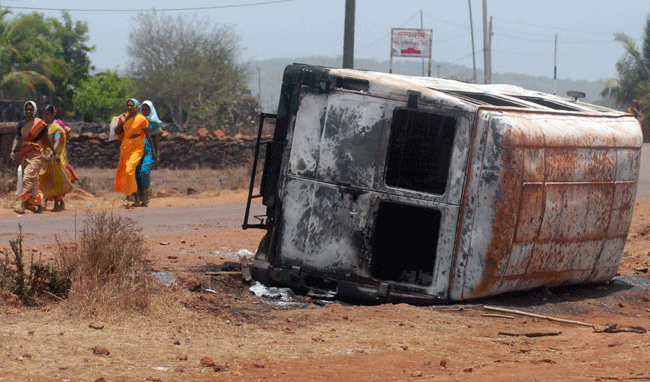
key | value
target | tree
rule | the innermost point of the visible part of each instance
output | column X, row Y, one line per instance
column 233, row 115
column 102, row 96
column 183, row 62
column 633, row 69
column 71, row 37
column 27, row 55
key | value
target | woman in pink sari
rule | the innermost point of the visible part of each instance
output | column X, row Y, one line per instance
column 33, row 139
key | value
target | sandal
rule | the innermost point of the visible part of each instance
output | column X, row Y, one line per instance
column 19, row 210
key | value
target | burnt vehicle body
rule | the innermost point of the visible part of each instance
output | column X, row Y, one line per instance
column 386, row 187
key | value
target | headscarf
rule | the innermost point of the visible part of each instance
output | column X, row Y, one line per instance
column 153, row 116
column 33, row 104
column 135, row 102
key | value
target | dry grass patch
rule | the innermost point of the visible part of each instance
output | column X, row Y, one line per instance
column 30, row 281
column 168, row 182
column 108, row 265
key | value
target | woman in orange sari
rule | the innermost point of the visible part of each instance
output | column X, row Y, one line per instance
column 132, row 129
column 32, row 137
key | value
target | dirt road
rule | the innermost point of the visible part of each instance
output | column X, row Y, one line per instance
column 158, row 219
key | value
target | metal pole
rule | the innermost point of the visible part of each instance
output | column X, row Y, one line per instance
column 348, row 35
column 259, row 86
column 555, row 68
column 471, row 28
column 390, row 68
column 486, row 45
column 422, row 27
column 490, row 53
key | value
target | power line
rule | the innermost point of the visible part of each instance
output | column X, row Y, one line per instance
column 499, row 29
column 446, row 21
column 550, row 40
column 148, row 10
column 554, row 28
column 464, row 57
column 386, row 36
column 520, row 39
column 451, row 38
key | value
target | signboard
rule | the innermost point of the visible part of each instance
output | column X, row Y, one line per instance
column 411, row 42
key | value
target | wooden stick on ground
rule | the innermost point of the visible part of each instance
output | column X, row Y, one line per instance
column 497, row 316
column 513, row 311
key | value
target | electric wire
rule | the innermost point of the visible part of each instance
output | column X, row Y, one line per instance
column 147, row 10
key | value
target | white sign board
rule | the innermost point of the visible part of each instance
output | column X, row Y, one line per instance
column 411, row 42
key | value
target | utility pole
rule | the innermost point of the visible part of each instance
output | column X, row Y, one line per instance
column 259, row 86
column 487, row 74
column 555, row 68
column 422, row 27
column 471, row 28
column 490, row 52
column 348, row 35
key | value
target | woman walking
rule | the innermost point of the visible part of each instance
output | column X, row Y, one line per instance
column 31, row 135
column 67, row 130
column 143, row 171
column 55, row 180
column 131, row 130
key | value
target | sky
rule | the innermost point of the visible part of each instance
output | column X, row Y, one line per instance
column 523, row 38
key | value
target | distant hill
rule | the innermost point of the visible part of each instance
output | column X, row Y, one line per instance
column 270, row 77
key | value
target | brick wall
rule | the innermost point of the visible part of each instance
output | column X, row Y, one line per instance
column 93, row 150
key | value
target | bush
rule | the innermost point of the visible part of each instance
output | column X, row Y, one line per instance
column 38, row 283
column 108, row 263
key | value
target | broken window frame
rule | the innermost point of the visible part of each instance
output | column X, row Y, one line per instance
column 396, row 175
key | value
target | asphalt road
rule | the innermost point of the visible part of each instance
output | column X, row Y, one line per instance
column 42, row 228
column 154, row 220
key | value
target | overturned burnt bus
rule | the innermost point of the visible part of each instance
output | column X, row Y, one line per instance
column 387, row 187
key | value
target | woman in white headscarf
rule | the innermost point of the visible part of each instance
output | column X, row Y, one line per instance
column 151, row 154
column 31, row 135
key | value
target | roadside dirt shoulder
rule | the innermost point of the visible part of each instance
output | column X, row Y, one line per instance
column 249, row 338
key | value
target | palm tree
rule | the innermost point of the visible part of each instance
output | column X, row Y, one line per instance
column 633, row 73
column 24, row 61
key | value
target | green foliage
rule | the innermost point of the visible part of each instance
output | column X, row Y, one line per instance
column 44, row 56
column 238, row 114
column 633, row 69
column 72, row 38
column 26, row 54
column 184, row 63
column 102, row 96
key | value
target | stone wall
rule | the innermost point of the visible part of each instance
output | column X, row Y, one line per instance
column 93, row 150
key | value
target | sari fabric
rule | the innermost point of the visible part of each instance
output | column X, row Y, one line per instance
column 32, row 159
column 131, row 151
column 143, row 172
column 55, row 180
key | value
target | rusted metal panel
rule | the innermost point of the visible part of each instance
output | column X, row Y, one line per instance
column 557, row 212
